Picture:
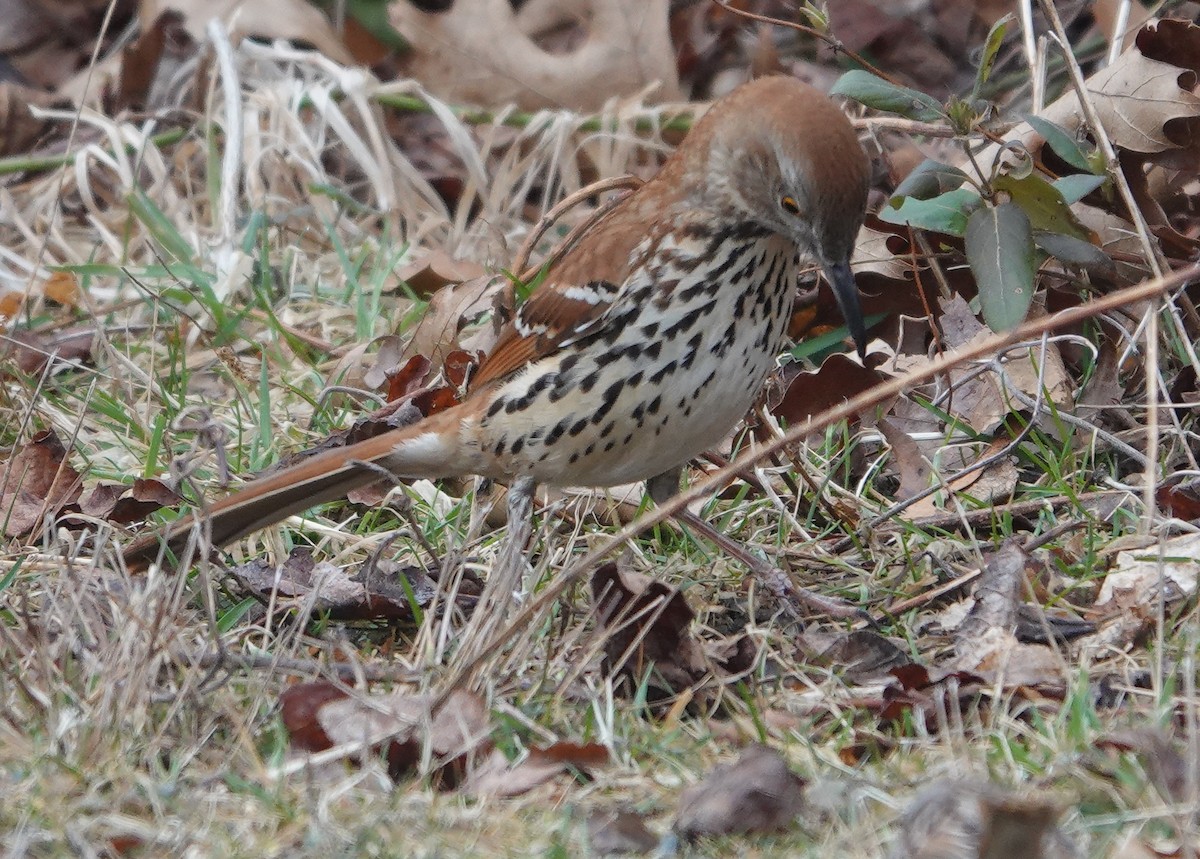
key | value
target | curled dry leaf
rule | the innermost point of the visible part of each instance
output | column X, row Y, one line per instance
column 860, row 656
column 498, row 777
column 647, row 626
column 436, row 270
column 452, row 309
column 36, row 481
column 985, row 401
column 917, row 688
column 1140, row 98
column 319, row 716
column 376, row 592
column 806, row 393
column 488, row 52
column 290, row 20
column 756, row 793
column 123, row 504
column 990, row 485
column 958, row 818
column 1139, row 578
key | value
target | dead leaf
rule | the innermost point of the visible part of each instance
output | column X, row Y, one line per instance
column 33, row 351
column 806, row 393
column 862, row 655
column 452, row 309
column 646, row 625
column 959, row 818
column 1180, row 499
column 36, row 481
column 378, row 591
column 757, row 793
column 1139, row 577
column 985, row 401
column 123, row 504
column 408, row 379
column 626, row 48
column 291, row 20
column 993, row 484
column 914, row 469
column 497, row 777
column 619, row 832
column 319, row 716
column 437, row 269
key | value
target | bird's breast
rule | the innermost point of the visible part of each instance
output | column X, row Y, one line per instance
column 679, row 359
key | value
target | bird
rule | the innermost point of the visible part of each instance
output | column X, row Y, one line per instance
column 647, row 341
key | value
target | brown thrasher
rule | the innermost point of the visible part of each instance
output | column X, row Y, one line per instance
column 648, row 340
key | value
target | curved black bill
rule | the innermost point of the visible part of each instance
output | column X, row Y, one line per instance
column 845, row 290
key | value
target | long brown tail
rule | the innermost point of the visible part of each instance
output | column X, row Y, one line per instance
column 430, row 449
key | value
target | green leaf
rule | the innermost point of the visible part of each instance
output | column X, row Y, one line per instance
column 1061, row 142
column 373, row 16
column 1043, row 204
column 1075, row 188
column 875, row 92
column 929, row 179
column 945, row 213
column 990, row 49
column 1073, row 251
column 160, row 226
column 999, row 244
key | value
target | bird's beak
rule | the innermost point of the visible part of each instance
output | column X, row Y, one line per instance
column 845, row 290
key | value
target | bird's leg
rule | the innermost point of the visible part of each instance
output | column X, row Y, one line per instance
column 506, row 578
column 661, row 487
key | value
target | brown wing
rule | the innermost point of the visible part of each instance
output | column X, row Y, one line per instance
column 575, row 295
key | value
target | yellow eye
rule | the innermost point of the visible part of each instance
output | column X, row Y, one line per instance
column 790, row 205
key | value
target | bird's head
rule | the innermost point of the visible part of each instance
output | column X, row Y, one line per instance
column 782, row 155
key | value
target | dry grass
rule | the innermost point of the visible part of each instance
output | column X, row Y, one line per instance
column 140, row 713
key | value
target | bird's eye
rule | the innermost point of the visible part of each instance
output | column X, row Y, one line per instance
column 790, row 205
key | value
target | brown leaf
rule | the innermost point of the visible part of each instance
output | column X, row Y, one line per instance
column 954, row 818
column 1140, row 578
column 319, row 716
column 331, row 590
column 35, row 482
column 627, row 48
column 863, row 655
column 454, row 307
column 407, row 379
column 1181, row 499
column 757, row 793
column 839, row 378
column 123, row 504
column 914, row 469
column 497, row 777
column 34, row 350
column 436, row 270
column 300, row 707
column 647, row 625
column 997, row 595
column 624, row 832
